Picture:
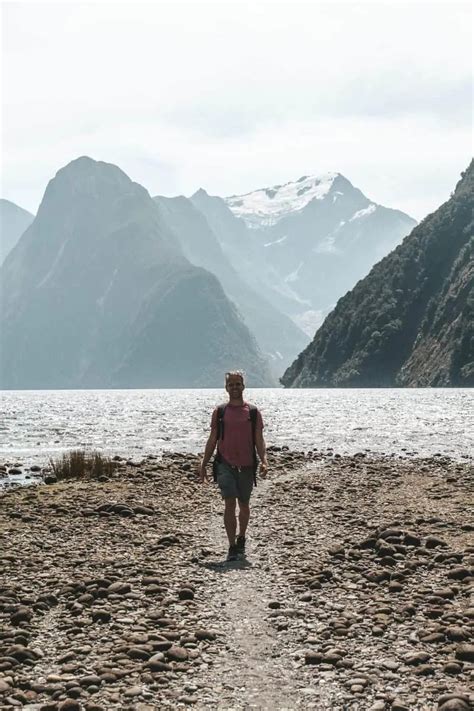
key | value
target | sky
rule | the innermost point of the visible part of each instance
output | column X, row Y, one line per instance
column 235, row 96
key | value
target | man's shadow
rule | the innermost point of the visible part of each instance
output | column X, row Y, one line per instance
column 225, row 566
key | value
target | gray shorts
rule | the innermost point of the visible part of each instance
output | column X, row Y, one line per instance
column 234, row 483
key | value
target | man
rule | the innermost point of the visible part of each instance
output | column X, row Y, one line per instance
column 236, row 466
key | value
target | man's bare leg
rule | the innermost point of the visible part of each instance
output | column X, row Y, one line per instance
column 244, row 515
column 230, row 521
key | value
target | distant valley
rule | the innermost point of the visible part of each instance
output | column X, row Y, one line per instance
column 314, row 239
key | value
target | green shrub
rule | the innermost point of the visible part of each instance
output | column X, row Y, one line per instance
column 79, row 464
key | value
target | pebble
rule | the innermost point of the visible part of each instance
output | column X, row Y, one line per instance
column 133, row 691
column 399, row 705
column 178, row 654
column 455, row 704
column 186, row 594
column 274, row 604
column 465, row 652
column 313, row 658
column 452, row 668
column 460, row 573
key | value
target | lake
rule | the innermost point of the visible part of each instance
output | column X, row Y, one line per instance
column 39, row 424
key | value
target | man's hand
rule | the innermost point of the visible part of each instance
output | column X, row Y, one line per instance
column 263, row 469
column 203, row 475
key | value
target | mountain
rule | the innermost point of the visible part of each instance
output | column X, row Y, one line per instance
column 314, row 238
column 265, row 207
column 278, row 337
column 97, row 293
column 13, row 222
column 410, row 322
column 245, row 253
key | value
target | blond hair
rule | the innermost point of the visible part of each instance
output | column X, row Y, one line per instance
column 240, row 373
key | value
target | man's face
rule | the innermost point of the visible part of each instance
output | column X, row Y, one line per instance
column 235, row 386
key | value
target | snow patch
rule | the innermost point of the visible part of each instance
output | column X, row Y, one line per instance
column 309, row 321
column 286, row 290
column 327, row 246
column 293, row 276
column 100, row 300
column 277, row 241
column 265, row 207
column 362, row 213
column 50, row 273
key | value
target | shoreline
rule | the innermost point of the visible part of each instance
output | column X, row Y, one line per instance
column 354, row 595
column 15, row 473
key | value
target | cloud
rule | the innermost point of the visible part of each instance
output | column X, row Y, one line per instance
column 376, row 154
column 237, row 95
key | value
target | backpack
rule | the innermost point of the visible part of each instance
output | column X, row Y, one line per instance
column 253, row 411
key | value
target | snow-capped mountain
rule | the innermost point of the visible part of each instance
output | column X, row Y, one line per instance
column 311, row 240
column 264, row 207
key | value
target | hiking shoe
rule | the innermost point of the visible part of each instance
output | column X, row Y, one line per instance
column 240, row 545
column 233, row 553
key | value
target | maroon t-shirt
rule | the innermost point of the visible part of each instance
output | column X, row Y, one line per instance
column 236, row 447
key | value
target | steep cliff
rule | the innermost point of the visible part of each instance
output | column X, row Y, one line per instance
column 410, row 321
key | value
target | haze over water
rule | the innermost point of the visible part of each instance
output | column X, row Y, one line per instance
column 133, row 423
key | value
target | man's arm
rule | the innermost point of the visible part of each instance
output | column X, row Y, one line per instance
column 261, row 451
column 208, row 452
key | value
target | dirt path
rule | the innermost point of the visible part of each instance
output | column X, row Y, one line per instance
column 255, row 672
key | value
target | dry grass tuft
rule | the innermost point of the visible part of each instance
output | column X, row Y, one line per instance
column 79, row 464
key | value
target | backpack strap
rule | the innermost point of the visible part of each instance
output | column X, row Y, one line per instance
column 253, row 419
column 220, row 421
column 253, row 411
column 220, row 436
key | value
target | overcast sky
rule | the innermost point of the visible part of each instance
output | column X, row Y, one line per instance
column 233, row 96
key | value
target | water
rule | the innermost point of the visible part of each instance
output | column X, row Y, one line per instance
column 37, row 425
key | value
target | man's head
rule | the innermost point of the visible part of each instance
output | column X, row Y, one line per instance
column 234, row 384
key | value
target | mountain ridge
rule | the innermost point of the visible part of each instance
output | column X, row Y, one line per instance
column 266, row 206
column 94, row 269
column 14, row 220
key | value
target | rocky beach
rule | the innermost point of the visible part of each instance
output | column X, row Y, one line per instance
column 114, row 593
